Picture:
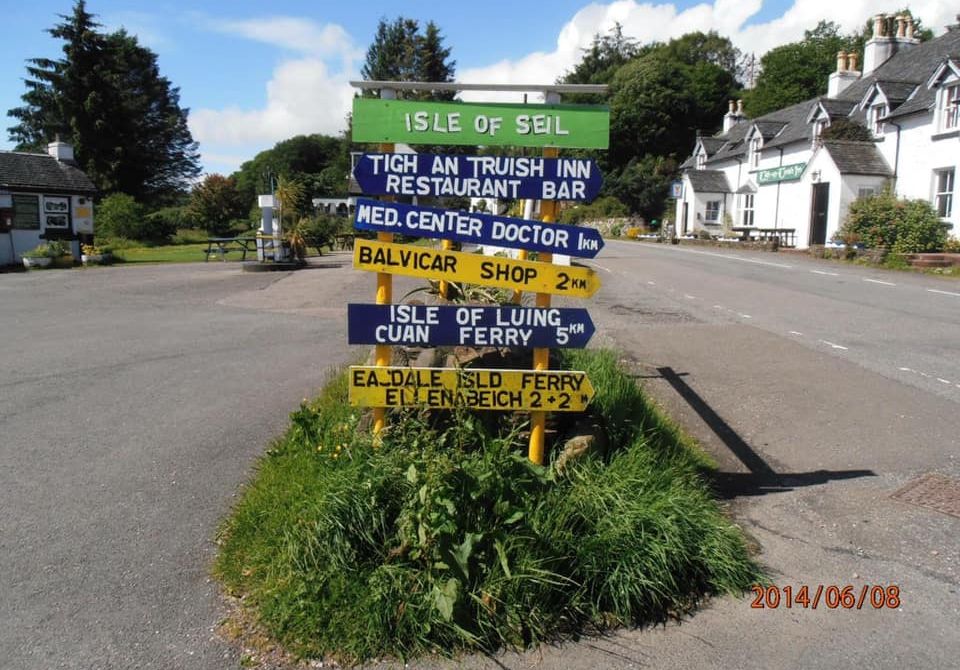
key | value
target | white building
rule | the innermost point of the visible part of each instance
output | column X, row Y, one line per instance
column 775, row 172
column 43, row 197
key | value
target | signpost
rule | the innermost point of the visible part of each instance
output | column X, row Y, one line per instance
column 415, row 122
column 458, row 266
column 511, row 177
column 453, row 325
column 478, row 389
column 476, row 228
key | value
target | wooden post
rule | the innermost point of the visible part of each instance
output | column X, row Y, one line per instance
column 383, row 353
column 541, row 356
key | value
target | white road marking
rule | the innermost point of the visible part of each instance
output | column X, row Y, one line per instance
column 944, row 381
column 689, row 297
column 794, row 332
column 835, row 346
column 745, row 316
column 719, row 307
column 933, row 290
column 607, row 270
column 905, row 370
column 652, row 283
column 878, row 281
column 829, row 274
column 735, row 258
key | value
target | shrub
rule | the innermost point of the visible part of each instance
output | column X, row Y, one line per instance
column 120, row 216
column 164, row 223
column 901, row 225
column 607, row 207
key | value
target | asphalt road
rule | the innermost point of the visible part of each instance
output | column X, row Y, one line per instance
column 134, row 400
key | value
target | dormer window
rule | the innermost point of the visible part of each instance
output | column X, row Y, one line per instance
column 877, row 112
column 756, row 144
column 818, row 127
column 950, row 108
column 701, row 161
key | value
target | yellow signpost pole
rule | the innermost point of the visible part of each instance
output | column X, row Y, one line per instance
column 445, row 245
column 522, row 254
column 541, row 356
column 383, row 353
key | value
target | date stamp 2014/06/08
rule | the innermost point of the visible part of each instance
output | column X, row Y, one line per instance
column 831, row 596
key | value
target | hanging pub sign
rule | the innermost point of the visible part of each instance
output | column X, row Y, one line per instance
column 783, row 173
column 510, row 177
column 487, row 124
column 477, row 228
column 468, row 325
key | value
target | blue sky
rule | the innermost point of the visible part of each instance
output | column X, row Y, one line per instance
column 254, row 73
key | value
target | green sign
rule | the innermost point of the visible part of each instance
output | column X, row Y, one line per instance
column 782, row 173
column 571, row 126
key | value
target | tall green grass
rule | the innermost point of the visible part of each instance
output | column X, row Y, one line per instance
column 446, row 538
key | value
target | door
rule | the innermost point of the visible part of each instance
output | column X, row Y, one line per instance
column 818, row 213
column 683, row 229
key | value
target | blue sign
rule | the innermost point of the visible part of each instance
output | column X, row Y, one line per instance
column 451, row 325
column 493, row 177
column 476, row 228
column 676, row 189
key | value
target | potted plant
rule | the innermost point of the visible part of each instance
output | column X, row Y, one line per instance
column 91, row 254
column 39, row 257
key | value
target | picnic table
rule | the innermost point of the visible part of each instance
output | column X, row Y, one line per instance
column 223, row 245
column 786, row 236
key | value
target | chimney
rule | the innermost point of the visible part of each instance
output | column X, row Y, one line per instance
column 733, row 116
column 62, row 151
column 891, row 35
column 845, row 75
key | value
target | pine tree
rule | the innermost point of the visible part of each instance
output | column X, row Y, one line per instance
column 399, row 52
column 433, row 61
column 107, row 98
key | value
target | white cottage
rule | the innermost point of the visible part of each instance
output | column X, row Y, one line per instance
column 43, row 197
column 775, row 173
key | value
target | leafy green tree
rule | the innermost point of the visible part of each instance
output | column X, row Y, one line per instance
column 215, row 204
column 400, row 52
column 846, row 129
column 606, row 55
column 106, row 96
column 319, row 162
column 643, row 184
column 699, row 47
column 798, row 71
column 120, row 215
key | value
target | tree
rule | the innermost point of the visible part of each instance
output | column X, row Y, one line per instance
column 107, row 98
column 606, row 55
column 399, row 52
column 292, row 200
column 119, row 215
column 846, row 129
column 216, row 203
column 798, row 71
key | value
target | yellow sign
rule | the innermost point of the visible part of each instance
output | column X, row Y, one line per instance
column 503, row 390
column 527, row 276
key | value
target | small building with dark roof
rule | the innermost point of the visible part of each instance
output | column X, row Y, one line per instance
column 43, row 197
column 781, row 174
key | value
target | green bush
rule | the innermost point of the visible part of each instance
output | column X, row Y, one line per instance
column 120, row 216
column 901, row 225
column 607, row 207
column 163, row 224
column 446, row 538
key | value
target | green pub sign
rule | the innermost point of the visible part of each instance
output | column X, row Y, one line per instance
column 488, row 124
column 782, row 173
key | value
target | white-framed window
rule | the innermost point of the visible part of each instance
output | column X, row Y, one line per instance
column 712, row 214
column 701, row 161
column 866, row 192
column 877, row 112
column 950, row 108
column 746, row 209
column 943, row 192
column 756, row 144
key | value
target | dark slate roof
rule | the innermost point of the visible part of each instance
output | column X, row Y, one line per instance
column 708, row 181
column 40, row 172
column 899, row 76
column 769, row 129
column 857, row 158
column 712, row 144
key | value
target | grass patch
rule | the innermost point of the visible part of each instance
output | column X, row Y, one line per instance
column 446, row 539
column 171, row 253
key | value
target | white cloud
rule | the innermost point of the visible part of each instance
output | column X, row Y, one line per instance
column 307, row 95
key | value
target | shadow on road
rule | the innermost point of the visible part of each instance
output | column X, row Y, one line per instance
column 762, row 479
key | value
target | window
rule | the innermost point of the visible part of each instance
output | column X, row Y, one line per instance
column 818, row 127
column 866, row 192
column 713, row 211
column 877, row 112
column 943, row 192
column 950, row 110
column 26, row 212
column 746, row 210
column 701, row 161
column 755, row 145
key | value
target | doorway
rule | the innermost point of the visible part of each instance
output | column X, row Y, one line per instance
column 686, row 208
column 818, row 213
